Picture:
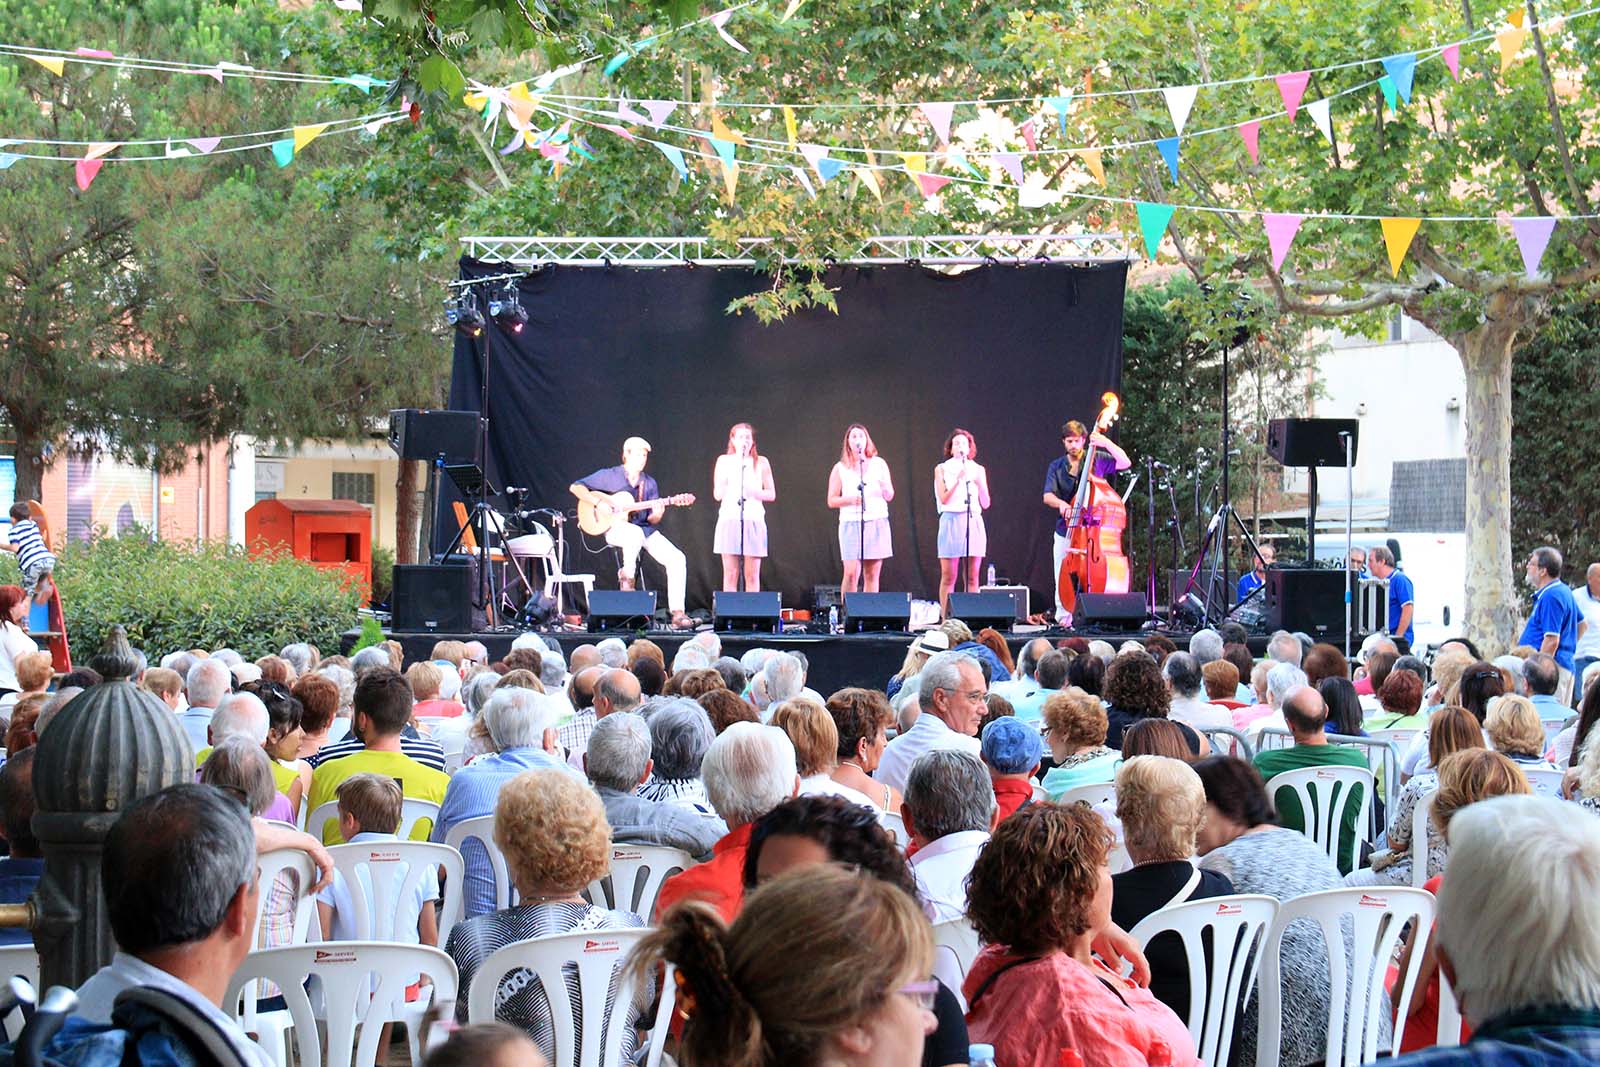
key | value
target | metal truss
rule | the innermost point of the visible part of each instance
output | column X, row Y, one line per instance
column 946, row 250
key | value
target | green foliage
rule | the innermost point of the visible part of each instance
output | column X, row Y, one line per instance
column 207, row 595
column 382, row 574
column 371, row 634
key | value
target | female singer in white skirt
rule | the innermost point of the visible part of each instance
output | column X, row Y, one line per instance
column 863, row 551
column 961, row 489
column 744, row 474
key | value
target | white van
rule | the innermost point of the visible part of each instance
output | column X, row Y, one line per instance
column 1436, row 563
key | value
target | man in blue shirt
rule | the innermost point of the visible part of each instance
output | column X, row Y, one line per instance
column 1256, row 577
column 1553, row 626
column 1402, row 597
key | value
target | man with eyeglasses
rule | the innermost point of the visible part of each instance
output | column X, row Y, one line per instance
column 953, row 698
column 1554, row 623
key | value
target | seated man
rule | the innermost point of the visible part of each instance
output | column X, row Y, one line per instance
column 1307, row 714
column 1023, row 682
column 949, row 810
column 1184, row 678
column 952, row 696
column 181, row 884
column 1050, row 677
column 1542, row 674
column 617, row 761
column 20, row 871
column 1517, row 941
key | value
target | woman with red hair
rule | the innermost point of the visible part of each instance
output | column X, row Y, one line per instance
column 14, row 640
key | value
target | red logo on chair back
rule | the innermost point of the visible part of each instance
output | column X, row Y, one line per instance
column 1326, row 775
column 1230, row 909
column 625, row 854
column 335, row 956
column 591, row 945
column 1368, row 901
column 383, row 857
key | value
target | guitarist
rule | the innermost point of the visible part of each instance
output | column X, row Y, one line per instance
column 1061, row 486
column 639, row 530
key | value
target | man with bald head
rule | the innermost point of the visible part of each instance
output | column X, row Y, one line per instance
column 583, row 656
column 610, row 689
column 1023, row 684
column 1307, row 715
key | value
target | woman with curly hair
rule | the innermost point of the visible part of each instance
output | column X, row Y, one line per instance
column 861, row 718
column 1075, row 730
column 1135, row 689
column 1039, row 894
column 552, row 829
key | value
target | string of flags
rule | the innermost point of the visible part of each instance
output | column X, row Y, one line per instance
column 55, row 61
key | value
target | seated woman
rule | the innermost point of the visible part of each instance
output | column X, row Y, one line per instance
column 1515, row 730
column 824, row 966
column 680, row 734
column 1136, row 689
column 1242, row 841
column 861, row 718
column 1039, row 895
column 1075, row 730
column 552, row 829
column 1400, row 697
column 1161, row 804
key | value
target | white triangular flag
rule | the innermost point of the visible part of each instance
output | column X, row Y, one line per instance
column 1318, row 110
column 1180, row 98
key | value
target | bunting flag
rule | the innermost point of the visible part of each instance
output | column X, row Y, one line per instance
column 214, row 73
column 365, row 82
column 788, row 12
column 724, row 149
column 790, row 127
column 955, row 158
column 86, row 170
column 938, row 116
column 1510, row 43
column 1180, row 99
column 730, row 178
column 626, row 113
column 175, row 152
column 719, row 22
column 94, row 53
column 916, row 162
column 828, row 168
column 1037, row 196
column 1061, row 104
column 1011, row 163
column 722, row 130
column 1292, row 88
column 869, row 178
column 1029, row 137
column 814, row 154
column 1517, row 16
column 1391, row 92
column 930, row 183
column 304, row 135
column 101, row 148
column 805, row 181
column 523, row 104
column 1091, row 159
column 1319, row 112
column 348, row 5
column 674, row 156
column 1397, row 236
column 1401, row 69
column 659, row 111
column 1451, row 54
column 1251, row 133
column 8, row 160
column 1533, row 236
column 1168, row 147
column 615, row 63
column 1280, row 235
column 1153, row 219
column 55, row 65
column 621, row 131
column 283, row 151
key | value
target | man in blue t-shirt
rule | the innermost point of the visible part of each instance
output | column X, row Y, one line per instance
column 1402, row 597
column 1553, row 626
column 637, row 531
column 1256, row 576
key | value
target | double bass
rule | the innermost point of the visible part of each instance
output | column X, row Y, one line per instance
column 1094, row 562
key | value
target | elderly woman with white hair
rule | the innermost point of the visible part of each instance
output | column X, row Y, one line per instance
column 455, row 734
column 680, row 735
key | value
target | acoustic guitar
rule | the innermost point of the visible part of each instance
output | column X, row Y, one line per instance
column 596, row 519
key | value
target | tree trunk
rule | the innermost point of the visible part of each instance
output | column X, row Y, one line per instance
column 29, row 461
column 406, row 515
column 1492, row 613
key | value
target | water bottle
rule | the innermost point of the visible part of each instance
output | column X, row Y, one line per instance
column 833, row 619
column 980, row 1056
column 991, row 574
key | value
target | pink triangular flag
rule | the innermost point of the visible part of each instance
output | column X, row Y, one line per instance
column 938, row 115
column 813, row 153
column 94, row 53
column 626, row 113
column 204, row 145
column 930, row 183
column 620, row 131
column 1451, row 54
column 1280, row 234
column 659, row 110
column 1292, row 87
column 87, row 169
column 1532, row 234
column 1011, row 163
column 1029, row 137
column 101, row 148
column 1251, row 132
column 210, row 72
column 718, row 21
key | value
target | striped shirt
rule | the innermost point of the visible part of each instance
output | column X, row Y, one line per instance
column 29, row 545
column 426, row 752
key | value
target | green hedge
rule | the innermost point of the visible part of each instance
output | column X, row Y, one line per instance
column 173, row 595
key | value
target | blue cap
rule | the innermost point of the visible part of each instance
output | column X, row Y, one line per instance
column 1010, row 746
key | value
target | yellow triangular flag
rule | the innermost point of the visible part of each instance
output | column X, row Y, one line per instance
column 916, row 162
column 304, row 135
column 789, row 126
column 101, row 148
column 870, row 180
column 53, row 64
column 523, row 103
column 788, row 12
column 1510, row 42
column 730, row 178
column 1397, row 237
column 720, row 130
column 1091, row 159
column 872, row 159
column 1517, row 17
column 475, row 100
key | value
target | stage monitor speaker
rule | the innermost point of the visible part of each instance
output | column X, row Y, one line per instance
column 1307, row 599
column 1018, row 595
column 978, row 610
column 431, row 598
column 1114, row 610
column 754, row 613
column 621, row 609
column 419, row 433
column 877, row 612
column 1311, row 442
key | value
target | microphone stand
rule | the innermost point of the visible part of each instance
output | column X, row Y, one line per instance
column 966, row 535
column 739, row 582
column 861, row 490
column 1150, row 529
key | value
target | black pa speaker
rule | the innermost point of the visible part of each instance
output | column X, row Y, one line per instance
column 431, row 598
column 418, row 433
column 1308, row 599
column 1124, row 610
column 878, row 612
column 978, row 610
column 621, row 609
column 754, row 613
column 1311, row 442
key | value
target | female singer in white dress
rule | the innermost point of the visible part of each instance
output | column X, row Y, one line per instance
column 961, row 489
column 742, row 474
column 860, row 487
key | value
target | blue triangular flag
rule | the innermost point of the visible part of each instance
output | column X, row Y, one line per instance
column 1169, row 152
column 828, row 169
column 725, row 149
column 1401, row 68
column 283, row 151
column 615, row 63
column 364, row 82
column 1153, row 219
column 7, row 159
column 1390, row 91
column 1061, row 104
column 674, row 156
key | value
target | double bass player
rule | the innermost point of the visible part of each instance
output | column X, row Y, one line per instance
column 1061, row 487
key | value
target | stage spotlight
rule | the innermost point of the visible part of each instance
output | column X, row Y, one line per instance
column 462, row 312
column 507, row 310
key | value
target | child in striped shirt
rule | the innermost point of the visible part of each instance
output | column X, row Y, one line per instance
column 35, row 560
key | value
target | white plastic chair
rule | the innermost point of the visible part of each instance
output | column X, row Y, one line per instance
column 272, row 1027
column 1420, row 821
column 1092, row 794
column 955, row 946
column 17, row 961
column 1400, row 738
column 1235, row 740
column 600, row 958
column 481, row 831
column 347, row 972
column 1544, row 781
column 892, row 822
column 1377, row 918
column 637, row 872
column 411, row 811
column 1449, row 1033
column 454, row 761
column 1218, row 980
column 1325, row 795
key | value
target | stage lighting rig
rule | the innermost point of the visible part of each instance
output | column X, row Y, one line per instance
column 462, row 312
column 506, row 309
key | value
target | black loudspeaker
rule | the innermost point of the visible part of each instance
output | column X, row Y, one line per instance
column 431, row 598
column 878, row 612
column 1125, row 610
column 978, row 610
column 417, row 433
column 619, row 609
column 1311, row 442
column 1309, row 599
column 754, row 613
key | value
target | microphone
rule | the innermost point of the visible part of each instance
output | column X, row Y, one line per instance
column 1158, row 465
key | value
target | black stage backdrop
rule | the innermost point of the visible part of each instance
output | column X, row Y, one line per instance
column 1006, row 352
